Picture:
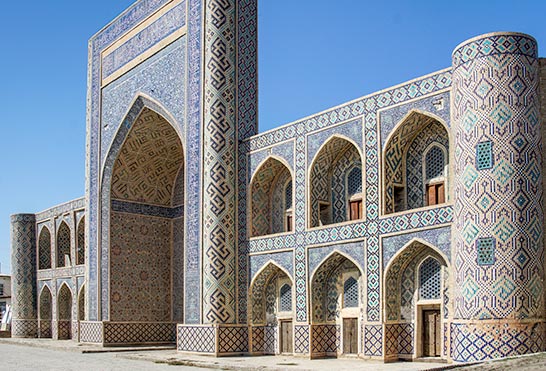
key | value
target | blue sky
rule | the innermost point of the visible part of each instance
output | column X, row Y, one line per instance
column 313, row 55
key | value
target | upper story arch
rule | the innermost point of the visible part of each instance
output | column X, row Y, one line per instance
column 271, row 198
column 415, row 163
column 336, row 183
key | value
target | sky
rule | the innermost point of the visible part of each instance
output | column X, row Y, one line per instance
column 313, row 55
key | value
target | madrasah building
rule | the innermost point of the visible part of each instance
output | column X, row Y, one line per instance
column 401, row 225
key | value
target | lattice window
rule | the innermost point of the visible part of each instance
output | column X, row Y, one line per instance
column 286, row 298
column 44, row 249
column 81, row 305
column 354, row 181
column 484, row 155
column 435, row 163
column 288, row 196
column 63, row 244
column 81, row 243
column 65, row 303
column 429, row 279
column 350, row 293
column 486, row 251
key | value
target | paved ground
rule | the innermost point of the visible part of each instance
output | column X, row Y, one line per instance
column 24, row 358
column 532, row 362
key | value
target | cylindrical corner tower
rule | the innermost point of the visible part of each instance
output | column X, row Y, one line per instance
column 498, row 223
column 23, row 271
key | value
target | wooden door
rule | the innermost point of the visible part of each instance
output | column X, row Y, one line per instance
column 355, row 210
column 286, row 337
column 350, row 336
column 431, row 333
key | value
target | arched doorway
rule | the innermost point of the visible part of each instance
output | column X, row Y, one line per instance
column 415, row 164
column 44, row 249
column 272, row 311
column 416, row 281
column 146, row 223
column 336, row 298
column 46, row 313
column 63, row 246
column 64, row 313
column 335, row 179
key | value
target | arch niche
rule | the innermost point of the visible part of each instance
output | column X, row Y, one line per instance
column 46, row 313
column 64, row 313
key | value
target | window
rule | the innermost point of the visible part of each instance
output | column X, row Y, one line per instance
column 435, row 194
column 434, row 176
column 1, row 289
column 429, row 279
column 484, row 155
column 354, row 193
column 285, row 298
column 486, row 251
column 288, row 206
column 350, row 293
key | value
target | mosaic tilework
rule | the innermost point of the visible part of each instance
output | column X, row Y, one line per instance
column 144, row 40
column 258, row 292
column 301, row 339
column 45, row 313
column 23, row 279
column 44, row 249
column 91, row 332
column 433, row 134
column 268, row 180
column 199, row 339
column 497, row 99
column 325, row 340
column 63, row 245
column 80, row 242
column 131, row 333
column 372, row 338
column 77, row 204
column 282, row 259
column 220, row 173
column 264, row 340
column 478, row 342
column 354, row 250
column 438, row 237
column 140, row 268
column 232, row 339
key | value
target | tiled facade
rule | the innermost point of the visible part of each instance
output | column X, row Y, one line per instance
column 338, row 233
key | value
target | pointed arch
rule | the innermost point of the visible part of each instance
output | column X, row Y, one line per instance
column 269, row 272
column 268, row 211
column 44, row 249
column 64, row 312
column 80, row 242
column 45, row 312
column 143, row 178
column 327, row 195
column 63, row 245
column 403, row 184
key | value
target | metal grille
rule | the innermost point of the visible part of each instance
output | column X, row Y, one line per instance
column 44, row 247
column 484, row 155
column 288, row 195
column 81, row 242
column 286, row 298
column 63, row 244
column 435, row 163
column 486, row 251
column 429, row 279
column 350, row 293
column 354, row 181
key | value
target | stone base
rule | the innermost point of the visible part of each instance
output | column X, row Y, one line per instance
column 127, row 333
column 24, row 328
column 488, row 339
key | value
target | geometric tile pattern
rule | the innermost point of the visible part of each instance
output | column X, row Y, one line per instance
column 325, row 339
column 496, row 90
column 220, row 170
column 63, row 245
column 131, row 333
column 477, row 342
column 199, row 339
column 486, row 251
column 233, row 339
column 301, row 339
column 91, row 332
column 372, row 339
column 64, row 315
column 23, row 280
column 44, row 247
column 484, row 155
column 46, row 313
column 429, row 279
